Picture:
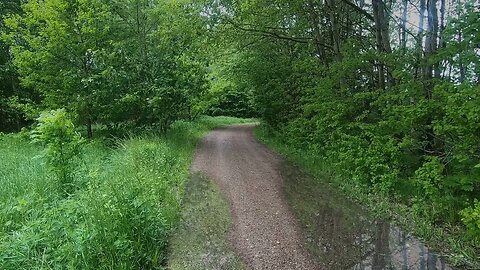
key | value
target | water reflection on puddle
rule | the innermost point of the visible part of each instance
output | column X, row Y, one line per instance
column 340, row 234
column 393, row 249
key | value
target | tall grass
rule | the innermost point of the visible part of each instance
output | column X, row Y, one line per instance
column 127, row 200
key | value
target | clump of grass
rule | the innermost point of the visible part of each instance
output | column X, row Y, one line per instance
column 127, row 202
column 201, row 239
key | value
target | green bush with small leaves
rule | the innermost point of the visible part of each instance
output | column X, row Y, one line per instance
column 471, row 218
column 63, row 145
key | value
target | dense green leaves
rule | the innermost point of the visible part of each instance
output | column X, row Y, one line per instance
column 395, row 110
column 63, row 144
column 112, row 62
column 395, row 116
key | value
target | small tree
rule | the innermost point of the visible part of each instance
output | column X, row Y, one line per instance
column 57, row 132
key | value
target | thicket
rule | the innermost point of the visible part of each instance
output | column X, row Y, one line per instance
column 116, row 63
column 126, row 201
column 386, row 92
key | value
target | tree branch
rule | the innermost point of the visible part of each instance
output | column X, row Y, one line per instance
column 271, row 34
column 359, row 10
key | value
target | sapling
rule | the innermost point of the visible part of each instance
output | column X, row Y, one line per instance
column 63, row 145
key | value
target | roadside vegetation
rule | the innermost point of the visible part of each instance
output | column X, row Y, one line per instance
column 381, row 94
column 121, row 203
column 202, row 239
column 453, row 241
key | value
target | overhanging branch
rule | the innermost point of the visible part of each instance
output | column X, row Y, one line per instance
column 359, row 10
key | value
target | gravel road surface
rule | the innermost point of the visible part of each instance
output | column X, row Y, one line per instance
column 265, row 233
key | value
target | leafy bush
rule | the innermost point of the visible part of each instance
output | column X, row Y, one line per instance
column 236, row 103
column 63, row 144
column 471, row 218
column 120, row 219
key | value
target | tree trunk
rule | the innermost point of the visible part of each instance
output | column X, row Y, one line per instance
column 431, row 43
column 383, row 40
column 403, row 35
column 419, row 44
column 318, row 38
column 334, row 29
column 421, row 18
column 89, row 128
column 431, row 71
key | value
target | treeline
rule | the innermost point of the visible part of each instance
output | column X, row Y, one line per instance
column 387, row 91
column 114, row 63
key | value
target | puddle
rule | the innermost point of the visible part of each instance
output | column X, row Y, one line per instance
column 393, row 249
column 341, row 235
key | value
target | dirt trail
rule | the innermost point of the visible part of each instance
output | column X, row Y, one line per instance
column 265, row 232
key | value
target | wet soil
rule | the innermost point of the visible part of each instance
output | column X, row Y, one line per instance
column 265, row 232
column 284, row 219
column 342, row 235
column 201, row 240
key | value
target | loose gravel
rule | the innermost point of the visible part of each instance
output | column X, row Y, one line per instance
column 265, row 233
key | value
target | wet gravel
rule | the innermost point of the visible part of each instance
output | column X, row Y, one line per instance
column 265, row 233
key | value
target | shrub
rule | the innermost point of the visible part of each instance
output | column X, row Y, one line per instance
column 471, row 218
column 57, row 132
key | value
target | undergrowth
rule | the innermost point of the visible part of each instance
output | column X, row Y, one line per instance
column 450, row 239
column 126, row 202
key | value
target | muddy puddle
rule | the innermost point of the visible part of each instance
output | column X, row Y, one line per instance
column 341, row 235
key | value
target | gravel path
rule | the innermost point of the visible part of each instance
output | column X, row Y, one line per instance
column 265, row 233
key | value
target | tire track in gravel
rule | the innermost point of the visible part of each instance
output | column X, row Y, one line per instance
column 265, row 233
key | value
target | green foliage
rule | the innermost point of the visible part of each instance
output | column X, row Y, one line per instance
column 429, row 177
column 396, row 120
column 120, row 219
column 121, row 62
column 393, row 116
column 232, row 103
column 11, row 117
column 63, row 145
column 471, row 218
column 415, row 217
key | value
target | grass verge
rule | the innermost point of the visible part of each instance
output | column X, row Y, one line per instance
column 126, row 202
column 451, row 242
column 201, row 240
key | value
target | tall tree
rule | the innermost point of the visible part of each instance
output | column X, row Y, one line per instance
column 383, row 39
column 403, row 34
column 10, row 117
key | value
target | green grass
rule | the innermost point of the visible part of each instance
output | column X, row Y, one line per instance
column 126, row 203
column 452, row 241
column 201, row 240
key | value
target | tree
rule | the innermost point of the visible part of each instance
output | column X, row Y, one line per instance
column 84, row 54
column 10, row 117
column 331, row 76
column 59, row 48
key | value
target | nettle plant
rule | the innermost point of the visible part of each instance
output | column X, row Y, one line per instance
column 63, row 145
